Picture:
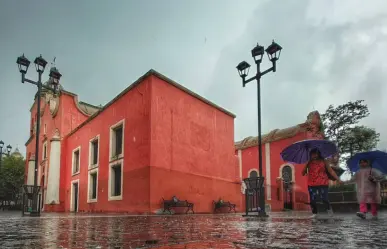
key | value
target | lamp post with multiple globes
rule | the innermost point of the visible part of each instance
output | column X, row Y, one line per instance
column 5, row 152
column 273, row 52
column 40, row 65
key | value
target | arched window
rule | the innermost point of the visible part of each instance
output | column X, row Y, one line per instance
column 287, row 174
column 253, row 173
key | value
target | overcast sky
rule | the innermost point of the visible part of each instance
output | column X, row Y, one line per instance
column 333, row 52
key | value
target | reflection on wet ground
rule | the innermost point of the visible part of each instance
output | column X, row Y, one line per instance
column 281, row 230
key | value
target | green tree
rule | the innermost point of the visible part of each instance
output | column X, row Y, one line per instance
column 12, row 178
column 358, row 139
column 340, row 126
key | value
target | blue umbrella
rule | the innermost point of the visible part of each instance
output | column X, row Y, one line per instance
column 299, row 151
column 377, row 158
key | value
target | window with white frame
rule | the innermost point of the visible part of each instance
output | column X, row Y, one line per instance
column 94, row 152
column 115, row 180
column 44, row 151
column 76, row 160
column 93, row 185
column 117, row 140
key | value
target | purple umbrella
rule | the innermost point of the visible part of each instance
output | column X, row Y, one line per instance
column 299, row 151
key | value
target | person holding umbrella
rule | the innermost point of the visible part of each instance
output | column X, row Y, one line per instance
column 313, row 153
column 319, row 172
column 369, row 168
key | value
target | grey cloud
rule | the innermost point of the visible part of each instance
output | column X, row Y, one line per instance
column 103, row 47
column 298, row 86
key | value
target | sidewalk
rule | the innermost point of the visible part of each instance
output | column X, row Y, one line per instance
column 280, row 230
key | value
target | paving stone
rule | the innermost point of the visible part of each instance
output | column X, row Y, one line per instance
column 280, row 230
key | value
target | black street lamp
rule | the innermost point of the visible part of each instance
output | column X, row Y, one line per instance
column 2, row 152
column 40, row 65
column 273, row 52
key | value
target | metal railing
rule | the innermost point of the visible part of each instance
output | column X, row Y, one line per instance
column 29, row 201
column 342, row 197
column 252, row 194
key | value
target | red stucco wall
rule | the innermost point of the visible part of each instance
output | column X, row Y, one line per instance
column 192, row 150
column 67, row 108
column 69, row 115
column 133, row 107
column 174, row 144
column 250, row 162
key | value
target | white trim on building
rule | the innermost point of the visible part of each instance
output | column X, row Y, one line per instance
column 293, row 170
column 73, row 172
column 90, row 186
column 111, row 182
column 91, row 152
column 44, row 151
column 268, row 171
column 72, row 195
column 251, row 170
column 112, row 146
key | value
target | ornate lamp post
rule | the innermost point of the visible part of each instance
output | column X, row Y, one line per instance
column 273, row 52
column 2, row 152
column 40, row 65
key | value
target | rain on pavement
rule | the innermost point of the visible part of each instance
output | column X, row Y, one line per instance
column 280, row 230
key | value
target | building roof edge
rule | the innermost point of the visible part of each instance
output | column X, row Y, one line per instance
column 136, row 83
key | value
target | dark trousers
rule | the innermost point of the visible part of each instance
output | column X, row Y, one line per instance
column 316, row 192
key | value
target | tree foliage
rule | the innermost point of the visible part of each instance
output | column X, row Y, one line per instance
column 358, row 139
column 340, row 124
column 11, row 177
column 337, row 119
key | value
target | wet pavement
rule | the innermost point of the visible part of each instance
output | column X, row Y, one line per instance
column 280, row 230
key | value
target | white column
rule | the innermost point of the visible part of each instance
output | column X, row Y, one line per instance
column 240, row 163
column 31, row 170
column 268, row 168
column 52, row 193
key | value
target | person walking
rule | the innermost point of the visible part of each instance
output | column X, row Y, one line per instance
column 367, row 181
column 317, row 170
